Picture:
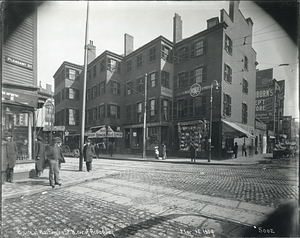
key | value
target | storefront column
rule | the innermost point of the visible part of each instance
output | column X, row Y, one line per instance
column 30, row 125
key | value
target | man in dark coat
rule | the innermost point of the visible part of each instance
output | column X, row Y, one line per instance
column 53, row 156
column 39, row 156
column 88, row 153
column 235, row 149
column 193, row 153
column 11, row 152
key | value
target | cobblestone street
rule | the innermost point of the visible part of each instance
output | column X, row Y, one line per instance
column 144, row 199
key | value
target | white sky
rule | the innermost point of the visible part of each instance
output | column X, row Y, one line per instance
column 61, row 32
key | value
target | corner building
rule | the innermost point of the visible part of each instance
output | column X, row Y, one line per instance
column 222, row 52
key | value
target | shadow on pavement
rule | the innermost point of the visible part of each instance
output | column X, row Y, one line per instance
column 145, row 225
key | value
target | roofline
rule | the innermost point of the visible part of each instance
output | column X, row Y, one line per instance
column 68, row 64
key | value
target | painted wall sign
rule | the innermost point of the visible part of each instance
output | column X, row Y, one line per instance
column 18, row 63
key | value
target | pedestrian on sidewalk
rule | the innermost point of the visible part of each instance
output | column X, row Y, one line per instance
column 244, row 150
column 39, row 156
column 53, row 156
column 9, row 157
column 88, row 153
column 164, row 150
column 193, row 152
column 235, row 149
column 111, row 148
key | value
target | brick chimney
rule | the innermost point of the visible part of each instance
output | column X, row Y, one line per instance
column 128, row 44
column 177, row 28
column 233, row 7
column 91, row 52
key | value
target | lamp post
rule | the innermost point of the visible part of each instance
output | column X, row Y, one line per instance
column 215, row 85
column 145, row 117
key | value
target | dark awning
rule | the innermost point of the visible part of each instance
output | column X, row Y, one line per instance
column 232, row 130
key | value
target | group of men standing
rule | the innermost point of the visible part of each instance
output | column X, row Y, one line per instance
column 53, row 157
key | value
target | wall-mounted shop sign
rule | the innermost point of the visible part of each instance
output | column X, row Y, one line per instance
column 18, row 63
column 195, row 90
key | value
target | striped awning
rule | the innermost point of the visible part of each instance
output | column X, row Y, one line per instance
column 232, row 130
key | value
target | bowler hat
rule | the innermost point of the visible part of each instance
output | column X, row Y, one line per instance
column 7, row 134
column 57, row 140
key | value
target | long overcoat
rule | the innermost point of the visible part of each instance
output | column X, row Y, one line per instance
column 40, row 155
column 88, row 153
column 4, row 159
column 11, row 151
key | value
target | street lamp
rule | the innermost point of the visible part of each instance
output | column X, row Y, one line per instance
column 215, row 85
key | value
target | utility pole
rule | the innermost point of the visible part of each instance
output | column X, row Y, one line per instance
column 145, row 117
column 84, row 92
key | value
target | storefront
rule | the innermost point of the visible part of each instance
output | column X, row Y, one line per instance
column 193, row 133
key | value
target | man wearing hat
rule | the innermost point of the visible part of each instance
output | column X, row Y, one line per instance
column 53, row 156
column 88, row 153
column 9, row 157
column 39, row 156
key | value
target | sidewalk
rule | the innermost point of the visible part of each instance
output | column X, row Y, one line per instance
column 70, row 174
column 241, row 160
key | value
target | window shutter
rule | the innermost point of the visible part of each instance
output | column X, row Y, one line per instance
column 118, row 112
column 98, row 90
column 156, row 78
column 186, row 79
column 204, row 45
column 186, row 55
column 229, row 105
column 204, row 73
column 193, row 50
column 192, row 79
column 67, row 115
column 111, row 87
column 224, row 104
column 108, row 110
column 170, row 109
column 134, row 113
column 230, row 74
column 175, row 81
column 118, row 89
column 174, row 110
column 67, row 93
column 77, row 117
column 104, row 87
column 148, row 81
column 77, row 94
column 185, row 108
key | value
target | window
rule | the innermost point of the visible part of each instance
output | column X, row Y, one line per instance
column 199, row 48
column 245, row 86
column 183, row 54
column 101, row 111
column 182, row 108
column 152, row 54
column 94, row 70
column 165, row 52
column 139, row 112
column 227, row 73
column 244, row 113
column 103, row 65
column 128, row 63
column 245, row 63
column 115, row 88
column 113, row 111
column 139, row 61
column 152, row 107
column 72, row 93
column 200, row 106
column 140, row 84
column 152, row 80
column 72, row 74
column 226, row 105
column 88, row 95
column 165, row 78
column 181, row 80
column 191, row 107
column 128, row 113
column 102, row 88
column 89, row 78
column 72, row 116
column 200, row 74
column 228, row 44
column 165, row 109
column 95, row 113
column 94, row 92
column 114, row 65
column 128, row 88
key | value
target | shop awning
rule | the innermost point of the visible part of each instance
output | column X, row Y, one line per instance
column 232, row 130
column 101, row 133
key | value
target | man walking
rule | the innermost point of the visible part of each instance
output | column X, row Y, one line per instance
column 39, row 156
column 244, row 150
column 235, row 149
column 88, row 153
column 53, row 156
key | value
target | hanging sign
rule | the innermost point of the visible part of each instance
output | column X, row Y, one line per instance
column 195, row 90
